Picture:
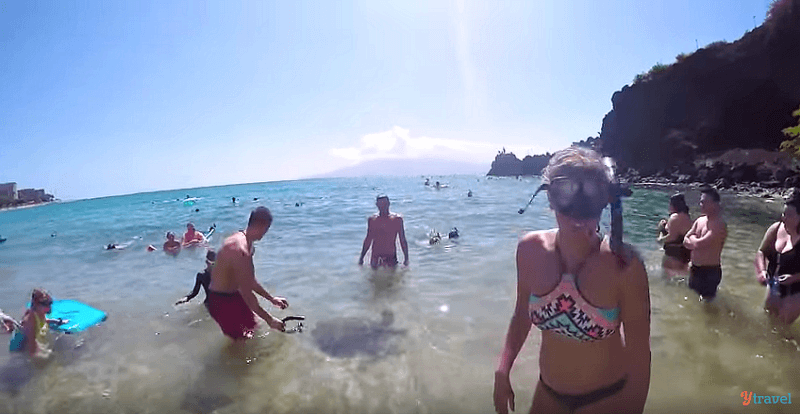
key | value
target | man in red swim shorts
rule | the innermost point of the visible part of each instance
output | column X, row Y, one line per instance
column 231, row 294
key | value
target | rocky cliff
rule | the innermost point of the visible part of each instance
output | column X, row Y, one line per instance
column 723, row 96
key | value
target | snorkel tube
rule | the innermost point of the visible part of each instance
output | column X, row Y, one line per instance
column 617, row 192
column 541, row 187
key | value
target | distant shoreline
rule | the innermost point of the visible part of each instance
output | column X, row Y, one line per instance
column 27, row 205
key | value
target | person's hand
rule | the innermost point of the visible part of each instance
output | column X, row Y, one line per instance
column 184, row 300
column 503, row 394
column 280, row 302
column 762, row 277
column 8, row 325
column 361, row 261
column 405, row 262
column 276, row 324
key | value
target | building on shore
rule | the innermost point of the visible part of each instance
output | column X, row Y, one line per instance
column 27, row 195
column 8, row 192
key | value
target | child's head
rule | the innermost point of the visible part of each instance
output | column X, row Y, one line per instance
column 41, row 300
column 211, row 256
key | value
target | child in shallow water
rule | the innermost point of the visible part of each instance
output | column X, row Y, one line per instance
column 33, row 337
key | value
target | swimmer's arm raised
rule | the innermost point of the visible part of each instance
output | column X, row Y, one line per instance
column 635, row 318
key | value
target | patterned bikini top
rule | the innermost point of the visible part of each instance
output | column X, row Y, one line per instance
column 565, row 311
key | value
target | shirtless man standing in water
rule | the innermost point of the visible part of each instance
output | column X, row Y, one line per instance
column 231, row 294
column 382, row 231
column 706, row 239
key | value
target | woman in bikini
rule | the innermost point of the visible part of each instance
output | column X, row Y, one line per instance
column 671, row 232
column 777, row 262
column 591, row 304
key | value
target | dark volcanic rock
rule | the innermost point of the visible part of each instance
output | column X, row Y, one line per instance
column 723, row 96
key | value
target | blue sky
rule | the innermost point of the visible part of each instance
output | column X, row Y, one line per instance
column 106, row 98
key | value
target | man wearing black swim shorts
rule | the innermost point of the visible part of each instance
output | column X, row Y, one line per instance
column 706, row 240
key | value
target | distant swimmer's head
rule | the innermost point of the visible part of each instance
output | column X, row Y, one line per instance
column 709, row 200
column 170, row 236
column 677, row 204
column 41, row 299
column 578, row 183
column 259, row 222
column 190, row 227
column 382, row 202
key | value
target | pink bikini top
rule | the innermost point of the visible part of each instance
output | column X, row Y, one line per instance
column 565, row 311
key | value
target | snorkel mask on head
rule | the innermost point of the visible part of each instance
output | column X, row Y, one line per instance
column 583, row 198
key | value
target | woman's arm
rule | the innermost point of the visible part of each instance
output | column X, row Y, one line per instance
column 28, row 329
column 518, row 329
column 520, row 325
column 635, row 317
column 767, row 247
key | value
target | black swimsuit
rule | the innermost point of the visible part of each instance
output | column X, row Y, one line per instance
column 573, row 402
column 787, row 263
column 676, row 250
column 203, row 279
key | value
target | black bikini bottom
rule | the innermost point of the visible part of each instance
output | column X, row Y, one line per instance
column 677, row 251
column 573, row 402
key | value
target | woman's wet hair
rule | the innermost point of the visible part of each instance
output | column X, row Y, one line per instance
column 39, row 295
column 792, row 198
column 575, row 161
column 678, row 202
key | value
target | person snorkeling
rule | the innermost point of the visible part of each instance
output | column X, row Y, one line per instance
column 582, row 291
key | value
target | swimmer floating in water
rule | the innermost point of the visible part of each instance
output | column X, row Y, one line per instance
column 192, row 237
column 172, row 246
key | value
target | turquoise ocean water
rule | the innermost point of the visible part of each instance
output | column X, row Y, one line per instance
column 420, row 340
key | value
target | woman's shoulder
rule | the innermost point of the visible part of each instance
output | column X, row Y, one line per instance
column 538, row 239
column 626, row 259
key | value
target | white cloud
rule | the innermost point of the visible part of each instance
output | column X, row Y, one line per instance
column 398, row 143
